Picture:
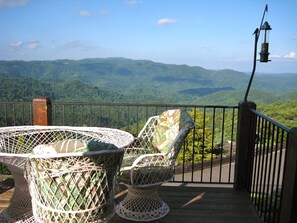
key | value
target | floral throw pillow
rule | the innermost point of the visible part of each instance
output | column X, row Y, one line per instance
column 167, row 130
column 71, row 146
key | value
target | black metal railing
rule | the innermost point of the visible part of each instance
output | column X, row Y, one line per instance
column 268, row 162
column 16, row 113
column 207, row 156
column 265, row 150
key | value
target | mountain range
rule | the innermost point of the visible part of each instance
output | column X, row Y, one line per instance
column 138, row 81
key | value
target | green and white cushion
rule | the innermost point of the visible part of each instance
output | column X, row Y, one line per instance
column 168, row 127
column 167, row 130
column 72, row 145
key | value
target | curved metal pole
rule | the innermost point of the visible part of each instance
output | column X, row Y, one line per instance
column 257, row 34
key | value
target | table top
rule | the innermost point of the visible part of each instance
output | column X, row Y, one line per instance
column 20, row 140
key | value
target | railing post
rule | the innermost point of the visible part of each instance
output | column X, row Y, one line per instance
column 289, row 199
column 245, row 135
column 42, row 111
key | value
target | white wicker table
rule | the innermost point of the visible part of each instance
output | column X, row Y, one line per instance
column 16, row 144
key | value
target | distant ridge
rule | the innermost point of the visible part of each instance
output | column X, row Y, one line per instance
column 205, row 91
column 146, row 80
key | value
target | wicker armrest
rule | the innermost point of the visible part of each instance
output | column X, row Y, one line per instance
column 146, row 170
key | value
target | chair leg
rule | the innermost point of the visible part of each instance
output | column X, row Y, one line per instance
column 142, row 204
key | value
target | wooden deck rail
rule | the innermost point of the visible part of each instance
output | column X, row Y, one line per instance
column 42, row 111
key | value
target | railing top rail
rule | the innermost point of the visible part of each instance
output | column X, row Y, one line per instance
column 285, row 128
column 142, row 105
column 126, row 104
column 15, row 102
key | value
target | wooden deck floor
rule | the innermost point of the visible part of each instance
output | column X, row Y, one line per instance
column 192, row 203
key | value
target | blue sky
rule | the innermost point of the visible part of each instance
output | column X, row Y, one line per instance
column 212, row 34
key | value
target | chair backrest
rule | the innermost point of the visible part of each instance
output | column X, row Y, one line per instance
column 146, row 134
column 165, row 133
column 172, row 128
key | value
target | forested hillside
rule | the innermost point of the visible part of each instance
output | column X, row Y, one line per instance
column 283, row 112
column 137, row 81
column 26, row 88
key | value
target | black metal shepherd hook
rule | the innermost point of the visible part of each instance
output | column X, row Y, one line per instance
column 264, row 49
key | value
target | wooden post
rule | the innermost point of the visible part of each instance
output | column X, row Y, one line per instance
column 289, row 199
column 244, row 148
column 42, row 111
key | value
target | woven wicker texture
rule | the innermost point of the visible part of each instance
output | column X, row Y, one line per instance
column 76, row 188
column 142, row 204
column 146, row 165
column 16, row 144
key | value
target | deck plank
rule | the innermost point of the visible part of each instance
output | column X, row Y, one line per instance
column 4, row 198
column 192, row 203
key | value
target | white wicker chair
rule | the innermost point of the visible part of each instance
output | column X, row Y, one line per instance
column 149, row 162
column 17, row 143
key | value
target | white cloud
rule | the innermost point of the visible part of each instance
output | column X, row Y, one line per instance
column 133, row 2
column 13, row 3
column 294, row 37
column 166, row 21
column 33, row 45
column 290, row 55
column 100, row 12
column 16, row 45
column 85, row 13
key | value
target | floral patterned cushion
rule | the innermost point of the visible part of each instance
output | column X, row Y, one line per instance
column 167, row 130
column 168, row 127
column 72, row 145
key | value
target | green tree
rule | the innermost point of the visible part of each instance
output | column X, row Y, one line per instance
column 199, row 143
